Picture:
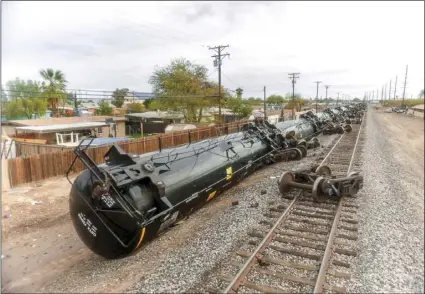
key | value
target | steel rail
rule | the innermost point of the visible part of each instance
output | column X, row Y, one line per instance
column 320, row 281
column 237, row 280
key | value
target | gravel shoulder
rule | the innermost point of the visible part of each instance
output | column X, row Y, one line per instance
column 391, row 215
column 44, row 254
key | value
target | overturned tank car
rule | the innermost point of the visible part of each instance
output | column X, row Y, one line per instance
column 118, row 205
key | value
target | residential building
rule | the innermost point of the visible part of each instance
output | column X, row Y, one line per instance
column 63, row 130
column 151, row 121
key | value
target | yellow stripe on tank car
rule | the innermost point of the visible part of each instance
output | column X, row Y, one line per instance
column 229, row 173
column 141, row 238
column 211, row 196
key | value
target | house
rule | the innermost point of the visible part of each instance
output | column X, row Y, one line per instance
column 59, row 131
column 226, row 114
column 90, row 107
column 136, row 97
column 151, row 121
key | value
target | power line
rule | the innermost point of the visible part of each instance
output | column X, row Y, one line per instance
column 217, row 62
column 50, row 95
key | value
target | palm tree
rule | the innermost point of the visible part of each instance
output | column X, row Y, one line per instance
column 239, row 92
column 53, row 86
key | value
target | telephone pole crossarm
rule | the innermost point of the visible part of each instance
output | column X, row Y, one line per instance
column 217, row 62
column 293, row 76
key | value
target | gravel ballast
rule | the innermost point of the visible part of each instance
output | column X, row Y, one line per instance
column 190, row 268
column 391, row 213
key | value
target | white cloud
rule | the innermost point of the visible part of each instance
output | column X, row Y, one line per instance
column 353, row 46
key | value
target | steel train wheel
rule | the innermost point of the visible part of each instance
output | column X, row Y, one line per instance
column 323, row 170
column 285, row 178
column 348, row 128
column 303, row 150
column 317, row 194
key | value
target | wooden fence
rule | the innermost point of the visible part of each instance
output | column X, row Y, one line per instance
column 43, row 166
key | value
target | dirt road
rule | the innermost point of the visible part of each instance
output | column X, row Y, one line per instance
column 391, row 216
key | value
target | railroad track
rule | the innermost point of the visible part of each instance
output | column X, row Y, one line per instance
column 303, row 246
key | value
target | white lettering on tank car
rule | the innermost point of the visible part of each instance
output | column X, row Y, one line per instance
column 107, row 199
column 87, row 223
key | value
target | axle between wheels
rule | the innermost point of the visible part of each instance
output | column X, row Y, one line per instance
column 319, row 183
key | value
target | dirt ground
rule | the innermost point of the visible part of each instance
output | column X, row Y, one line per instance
column 42, row 252
column 406, row 133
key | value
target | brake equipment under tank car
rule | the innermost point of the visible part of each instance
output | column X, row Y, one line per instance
column 118, row 205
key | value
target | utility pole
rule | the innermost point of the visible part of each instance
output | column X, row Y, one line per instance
column 389, row 92
column 395, row 87
column 385, row 93
column 377, row 94
column 404, row 87
column 265, row 117
column 317, row 92
column 217, row 63
column 382, row 93
column 337, row 98
column 326, row 86
column 293, row 76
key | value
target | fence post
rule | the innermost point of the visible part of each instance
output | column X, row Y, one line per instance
column 226, row 128
column 160, row 147
column 190, row 141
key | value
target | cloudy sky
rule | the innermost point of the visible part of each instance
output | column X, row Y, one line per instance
column 353, row 46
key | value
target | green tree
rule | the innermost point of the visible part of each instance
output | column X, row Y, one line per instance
column 147, row 102
column 422, row 94
column 156, row 105
column 14, row 109
column 183, row 86
column 26, row 97
column 118, row 97
column 53, row 87
column 239, row 92
column 104, row 108
column 239, row 107
column 19, row 88
column 135, row 107
column 275, row 99
column 3, row 102
column 32, row 106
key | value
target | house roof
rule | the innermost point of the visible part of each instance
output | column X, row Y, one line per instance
column 62, row 127
column 61, row 120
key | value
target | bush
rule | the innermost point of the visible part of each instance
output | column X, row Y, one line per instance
column 407, row 102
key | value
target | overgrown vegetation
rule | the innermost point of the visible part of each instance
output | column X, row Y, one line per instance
column 407, row 102
column 104, row 108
